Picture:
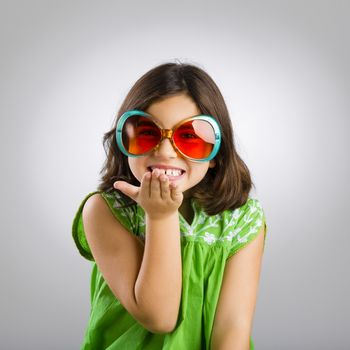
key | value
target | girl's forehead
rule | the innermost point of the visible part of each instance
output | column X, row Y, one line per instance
column 171, row 110
column 170, row 123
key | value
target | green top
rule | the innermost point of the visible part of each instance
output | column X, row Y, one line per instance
column 206, row 245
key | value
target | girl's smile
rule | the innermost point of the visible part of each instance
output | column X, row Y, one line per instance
column 172, row 172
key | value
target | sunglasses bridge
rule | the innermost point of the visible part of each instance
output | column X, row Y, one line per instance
column 166, row 134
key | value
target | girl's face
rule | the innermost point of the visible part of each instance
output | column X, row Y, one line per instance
column 184, row 172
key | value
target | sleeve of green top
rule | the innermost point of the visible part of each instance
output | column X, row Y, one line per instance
column 248, row 220
column 123, row 215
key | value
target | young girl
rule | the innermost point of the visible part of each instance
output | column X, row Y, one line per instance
column 175, row 239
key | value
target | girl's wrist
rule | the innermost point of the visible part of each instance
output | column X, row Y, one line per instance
column 162, row 216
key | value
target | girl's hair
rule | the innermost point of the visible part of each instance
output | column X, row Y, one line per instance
column 227, row 185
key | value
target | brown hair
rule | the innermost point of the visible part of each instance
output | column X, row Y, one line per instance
column 227, row 185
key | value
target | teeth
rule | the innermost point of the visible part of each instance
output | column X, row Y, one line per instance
column 169, row 172
column 173, row 172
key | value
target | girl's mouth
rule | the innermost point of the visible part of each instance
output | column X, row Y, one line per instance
column 171, row 173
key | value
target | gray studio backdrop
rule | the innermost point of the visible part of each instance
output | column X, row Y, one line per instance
column 283, row 68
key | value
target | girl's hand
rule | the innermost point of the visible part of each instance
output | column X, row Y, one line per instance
column 157, row 196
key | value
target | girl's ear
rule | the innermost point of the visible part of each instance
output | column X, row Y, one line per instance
column 212, row 163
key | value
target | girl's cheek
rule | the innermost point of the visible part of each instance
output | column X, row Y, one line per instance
column 137, row 167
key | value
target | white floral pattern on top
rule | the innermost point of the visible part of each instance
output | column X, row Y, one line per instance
column 224, row 228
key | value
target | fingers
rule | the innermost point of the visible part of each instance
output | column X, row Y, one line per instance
column 176, row 195
column 129, row 190
column 164, row 187
column 146, row 185
column 160, row 186
column 155, row 184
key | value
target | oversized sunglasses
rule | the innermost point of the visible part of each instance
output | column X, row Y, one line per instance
column 197, row 138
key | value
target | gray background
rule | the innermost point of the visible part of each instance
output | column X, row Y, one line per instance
column 283, row 68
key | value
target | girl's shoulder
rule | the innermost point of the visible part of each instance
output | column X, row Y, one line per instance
column 250, row 210
column 243, row 224
column 232, row 229
column 124, row 211
column 250, row 207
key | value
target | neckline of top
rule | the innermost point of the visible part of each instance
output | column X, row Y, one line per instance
column 196, row 213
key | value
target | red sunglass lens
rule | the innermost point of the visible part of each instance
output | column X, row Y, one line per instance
column 140, row 135
column 195, row 138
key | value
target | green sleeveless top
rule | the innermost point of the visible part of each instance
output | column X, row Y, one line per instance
column 206, row 244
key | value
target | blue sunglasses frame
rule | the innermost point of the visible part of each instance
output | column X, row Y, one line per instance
column 168, row 133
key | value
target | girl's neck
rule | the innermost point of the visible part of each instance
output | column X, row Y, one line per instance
column 186, row 209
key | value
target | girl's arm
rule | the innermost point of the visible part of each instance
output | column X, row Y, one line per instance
column 146, row 280
column 236, row 305
column 159, row 282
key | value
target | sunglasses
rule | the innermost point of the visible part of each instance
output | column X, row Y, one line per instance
column 197, row 138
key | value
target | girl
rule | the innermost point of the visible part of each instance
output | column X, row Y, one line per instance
column 176, row 241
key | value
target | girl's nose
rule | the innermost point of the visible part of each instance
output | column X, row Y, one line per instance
column 166, row 150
